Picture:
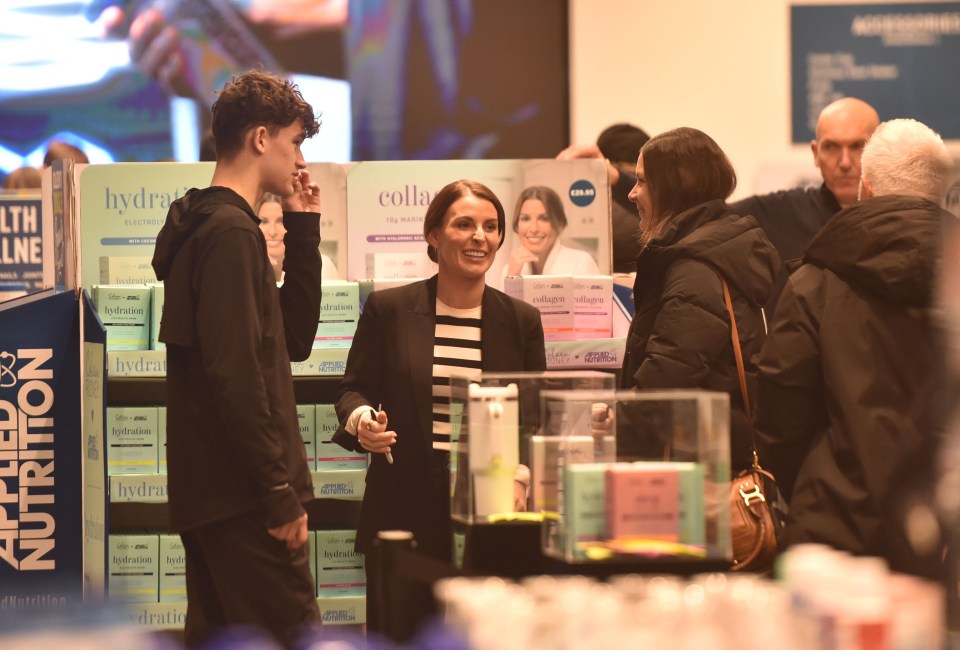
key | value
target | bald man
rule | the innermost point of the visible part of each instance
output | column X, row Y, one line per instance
column 791, row 218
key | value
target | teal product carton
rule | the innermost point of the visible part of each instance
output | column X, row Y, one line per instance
column 584, row 504
column 339, row 313
column 156, row 313
column 307, row 421
column 173, row 570
column 134, row 568
column 340, row 569
column 162, row 439
column 329, row 454
column 125, row 312
column 126, row 270
column 132, row 440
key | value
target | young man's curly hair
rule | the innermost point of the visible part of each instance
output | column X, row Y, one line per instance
column 253, row 99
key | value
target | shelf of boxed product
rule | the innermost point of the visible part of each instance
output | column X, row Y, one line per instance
column 152, row 488
column 324, row 362
column 587, row 354
column 334, row 610
column 147, row 578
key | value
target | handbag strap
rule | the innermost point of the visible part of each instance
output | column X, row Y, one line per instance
column 738, row 354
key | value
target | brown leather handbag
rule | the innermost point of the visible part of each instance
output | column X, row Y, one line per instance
column 757, row 512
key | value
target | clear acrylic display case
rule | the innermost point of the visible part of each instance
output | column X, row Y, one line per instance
column 635, row 475
column 482, row 469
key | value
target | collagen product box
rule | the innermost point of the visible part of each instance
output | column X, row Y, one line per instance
column 156, row 313
column 307, row 421
column 584, row 503
column 162, row 439
column 547, row 456
column 126, row 270
column 372, row 284
column 552, row 295
column 340, row 569
column 173, row 570
column 132, row 440
column 125, row 312
column 656, row 500
column 329, row 454
column 134, row 568
column 399, row 265
column 592, row 306
column 339, row 312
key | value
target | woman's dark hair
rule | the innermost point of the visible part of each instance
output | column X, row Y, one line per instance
column 551, row 203
column 449, row 195
column 266, row 197
column 257, row 99
column 684, row 167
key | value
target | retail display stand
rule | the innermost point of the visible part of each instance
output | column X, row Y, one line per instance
column 53, row 518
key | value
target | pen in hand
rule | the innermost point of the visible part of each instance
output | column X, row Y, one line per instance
column 373, row 414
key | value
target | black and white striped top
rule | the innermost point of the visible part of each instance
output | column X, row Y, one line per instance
column 456, row 351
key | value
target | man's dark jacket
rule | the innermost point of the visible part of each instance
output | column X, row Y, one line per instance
column 851, row 382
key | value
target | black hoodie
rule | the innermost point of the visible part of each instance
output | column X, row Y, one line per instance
column 233, row 440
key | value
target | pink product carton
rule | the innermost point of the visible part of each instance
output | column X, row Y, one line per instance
column 552, row 295
column 656, row 500
column 592, row 306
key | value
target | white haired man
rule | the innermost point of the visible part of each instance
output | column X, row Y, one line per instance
column 851, row 379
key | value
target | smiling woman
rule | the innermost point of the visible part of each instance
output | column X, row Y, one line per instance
column 395, row 393
column 539, row 219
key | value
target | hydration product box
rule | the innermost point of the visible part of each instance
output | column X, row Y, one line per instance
column 307, row 421
column 134, row 568
column 156, row 314
column 339, row 313
column 126, row 270
column 132, row 440
column 162, row 439
column 125, row 312
column 340, row 569
column 173, row 570
column 330, row 455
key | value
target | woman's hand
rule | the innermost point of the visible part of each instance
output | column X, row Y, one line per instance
column 518, row 257
column 373, row 434
column 305, row 197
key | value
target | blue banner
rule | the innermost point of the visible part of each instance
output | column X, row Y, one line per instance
column 41, row 508
column 903, row 59
column 21, row 243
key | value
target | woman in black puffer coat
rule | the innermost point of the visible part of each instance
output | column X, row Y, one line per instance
column 680, row 336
